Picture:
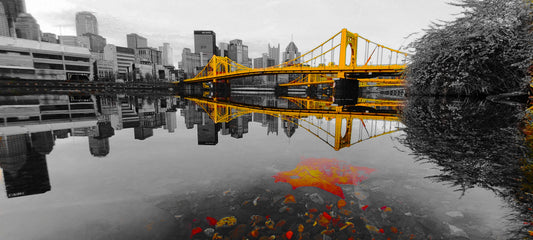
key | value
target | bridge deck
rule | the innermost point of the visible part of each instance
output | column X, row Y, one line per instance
column 373, row 71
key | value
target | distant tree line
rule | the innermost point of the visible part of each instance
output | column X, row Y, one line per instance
column 487, row 50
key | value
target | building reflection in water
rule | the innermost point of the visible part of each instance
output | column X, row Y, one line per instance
column 23, row 161
column 30, row 125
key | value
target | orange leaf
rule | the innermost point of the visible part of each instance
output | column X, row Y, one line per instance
column 346, row 212
column 372, row 228
column 325, row 174
column 254, row 233
column 289, row 199
column 322, row 220
column 341, row 203
column 300, row 228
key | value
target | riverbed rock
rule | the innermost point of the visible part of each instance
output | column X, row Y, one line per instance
column 316, row 198
column 457, row 232
column 239, row 232
column 361, row 195
column 455, row 214
column 209, row 232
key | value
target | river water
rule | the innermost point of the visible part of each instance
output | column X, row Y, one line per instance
column 119, row 166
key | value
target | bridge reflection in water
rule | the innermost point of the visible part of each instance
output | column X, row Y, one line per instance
column 337, row 126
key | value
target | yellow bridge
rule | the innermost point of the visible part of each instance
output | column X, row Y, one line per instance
column 316, row 117
column 344, row 53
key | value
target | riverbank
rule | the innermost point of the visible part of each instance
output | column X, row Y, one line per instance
column 486, row 51
column 83, row 84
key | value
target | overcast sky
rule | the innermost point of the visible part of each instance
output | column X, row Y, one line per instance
column 257, row 23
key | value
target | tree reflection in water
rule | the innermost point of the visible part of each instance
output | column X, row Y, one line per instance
column 476, row 144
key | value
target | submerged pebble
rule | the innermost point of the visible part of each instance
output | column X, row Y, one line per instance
column 209, row 232
column 316, row 198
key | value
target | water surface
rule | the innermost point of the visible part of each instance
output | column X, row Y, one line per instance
column 154, row 167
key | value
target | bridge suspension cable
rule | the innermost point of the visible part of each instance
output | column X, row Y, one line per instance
column 349, row 53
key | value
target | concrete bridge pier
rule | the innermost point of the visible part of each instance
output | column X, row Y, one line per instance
column 311, row 91
column 281, row 91
column 346, row 90
column 222, row 89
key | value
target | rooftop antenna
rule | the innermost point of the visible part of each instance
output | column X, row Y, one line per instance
column 292, row 37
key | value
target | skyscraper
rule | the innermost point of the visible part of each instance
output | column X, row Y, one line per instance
column 24, row 169
column 167, row 54
column 4, row 26
column 99, row 147
column 291, row 52
column 223, row 49
column 171, row 122
column 136, row 41
column 12, row 10
column 205, row 42
column 190, row 62
column 26, row 27
column 141, row 133
column 207, row 132
column 238, row 52
column 96, row 42
column 273, row 52
column 86, row 23
column 263, row 62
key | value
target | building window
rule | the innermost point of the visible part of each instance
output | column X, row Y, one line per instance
column 48, row 66
column 76, row 59
column 14, row 52
column 47, row 56
column 16, row 71
column 77, row 68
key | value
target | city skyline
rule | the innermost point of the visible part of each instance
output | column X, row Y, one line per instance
column 388, row 21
